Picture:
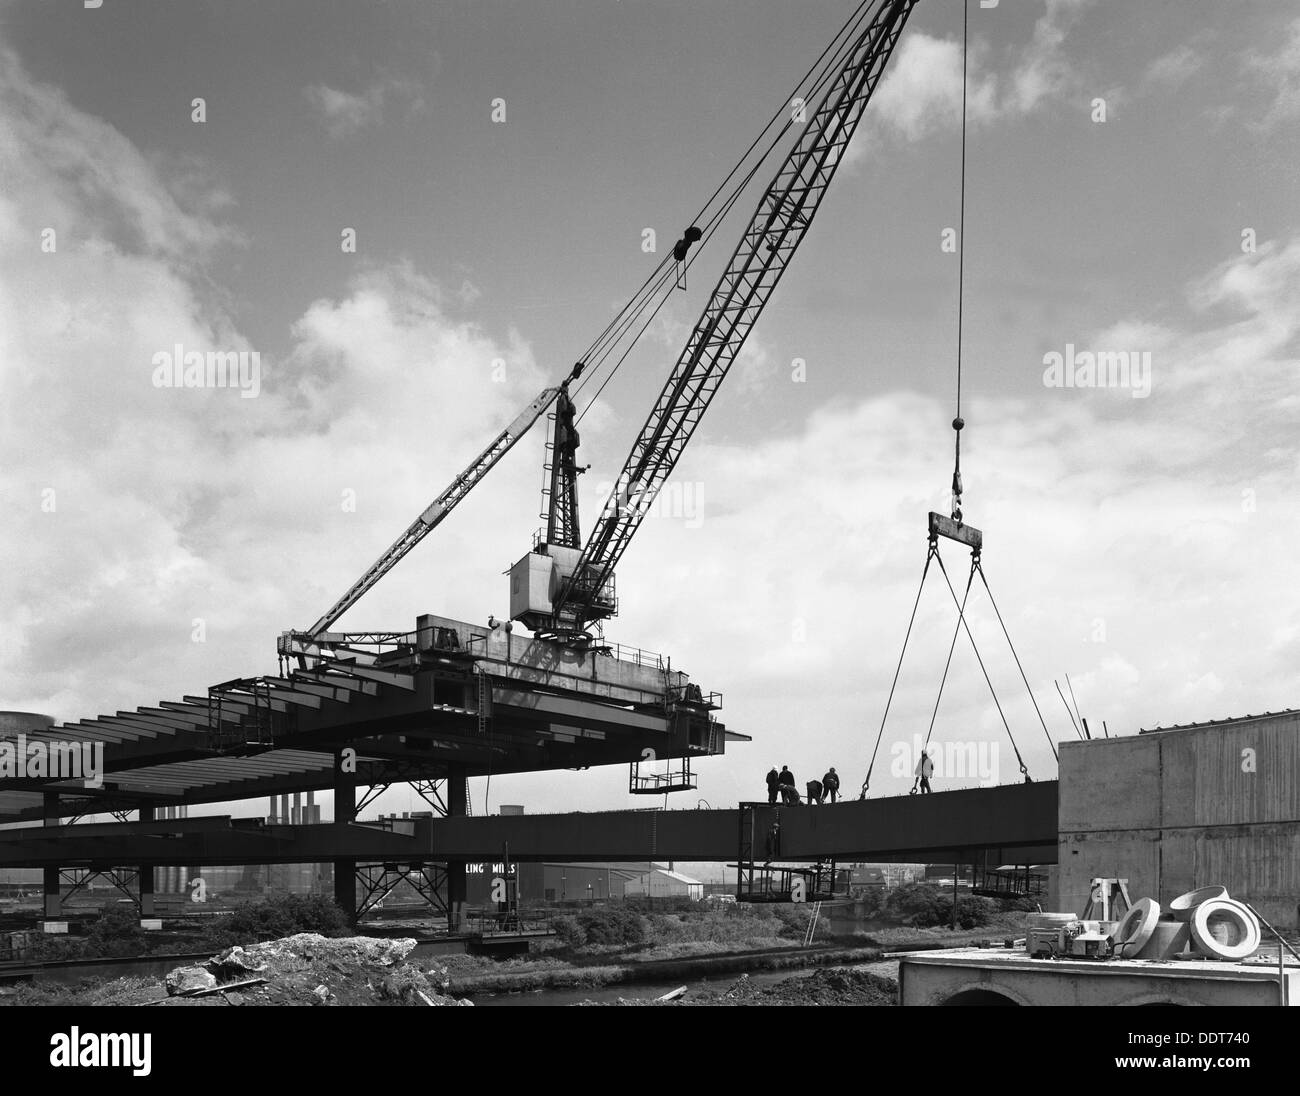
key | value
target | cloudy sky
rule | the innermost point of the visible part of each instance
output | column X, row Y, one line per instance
column 186, row 173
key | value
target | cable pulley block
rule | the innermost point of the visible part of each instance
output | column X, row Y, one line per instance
column 691, row 236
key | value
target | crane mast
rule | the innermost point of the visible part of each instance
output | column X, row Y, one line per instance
column 443, row 505
column 583, row 586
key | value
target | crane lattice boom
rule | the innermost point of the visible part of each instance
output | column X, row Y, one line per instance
column 779, row 224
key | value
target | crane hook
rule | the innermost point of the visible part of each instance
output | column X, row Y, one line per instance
column 958, row 424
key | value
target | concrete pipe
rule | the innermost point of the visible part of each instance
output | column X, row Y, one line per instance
column 1225, row 929
column 1182, row 907
column 1133, row 933
column 1169, row 939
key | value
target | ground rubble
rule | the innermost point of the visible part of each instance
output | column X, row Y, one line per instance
column 309, row 969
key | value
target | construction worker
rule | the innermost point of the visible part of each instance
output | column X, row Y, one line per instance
column 774, row 840
column 773, row 783
column 831, row 784
column 814, row 792
column 924, row 770
column 789, row 792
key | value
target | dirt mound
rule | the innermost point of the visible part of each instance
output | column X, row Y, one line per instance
column 827, row 986
column 309, row 969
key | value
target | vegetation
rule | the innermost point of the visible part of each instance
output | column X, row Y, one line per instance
column 117, row 932
column 275, row 918
column 923, row 905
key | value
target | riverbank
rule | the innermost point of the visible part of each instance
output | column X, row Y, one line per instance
column 560, row 975
column 470, row 977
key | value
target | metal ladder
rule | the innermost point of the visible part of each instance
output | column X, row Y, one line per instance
column 812, row 924
column 484, row 700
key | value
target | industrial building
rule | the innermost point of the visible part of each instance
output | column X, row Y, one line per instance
column 584, row 882
column 1184, row 807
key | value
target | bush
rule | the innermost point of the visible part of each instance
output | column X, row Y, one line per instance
column 872, row 901
column 1024, row 904
column 613, row 926
column 278, row 917
column 917, row 904
column 54, row 949
column 971, row 912
column 117, row 932
column 569, row 932
column 793, row 919
column 642, row 903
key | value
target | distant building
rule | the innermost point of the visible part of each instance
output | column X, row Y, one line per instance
column 885, row 875
column 662, row 883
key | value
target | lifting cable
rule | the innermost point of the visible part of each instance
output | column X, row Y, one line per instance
column 961, row 616
column 958, row 424
column 1023, row 676
column 898, row 669
column 975, row 566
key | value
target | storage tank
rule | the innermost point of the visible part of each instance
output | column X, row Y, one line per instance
column 12, row 723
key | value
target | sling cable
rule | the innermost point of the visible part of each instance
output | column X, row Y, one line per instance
column 953, row 527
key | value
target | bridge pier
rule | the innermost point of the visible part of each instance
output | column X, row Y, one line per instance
column 457, row 887
column 53, row 902
column 345, row 813
column 146, row 890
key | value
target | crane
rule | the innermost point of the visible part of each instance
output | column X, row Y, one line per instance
column 559, row 590
column 563, row 586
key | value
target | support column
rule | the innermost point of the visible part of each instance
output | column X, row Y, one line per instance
column 146, row 871
column 146, row 891
column 53, row 903
column 457, row 887
column 345, row 813
column 53, row 900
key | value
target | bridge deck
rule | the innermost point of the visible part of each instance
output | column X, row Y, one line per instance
column 1007, row 825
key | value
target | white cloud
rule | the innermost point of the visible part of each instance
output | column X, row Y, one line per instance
column 921, row 92
column 344, row 113
column 88, row 182
column 1173, row 69
column 1280, row 72
column 172, row 505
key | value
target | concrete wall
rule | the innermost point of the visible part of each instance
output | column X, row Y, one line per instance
column 1175, row 810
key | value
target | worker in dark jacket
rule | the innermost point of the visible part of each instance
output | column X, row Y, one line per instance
column 814, row 792
column 831, row 783
column 789, row 790
column 773, row 783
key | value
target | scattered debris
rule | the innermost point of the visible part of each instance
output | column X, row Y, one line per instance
column 184, row 981
column 309, row 969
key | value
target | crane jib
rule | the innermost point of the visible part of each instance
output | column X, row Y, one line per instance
column 783, row 216
column 436, row 511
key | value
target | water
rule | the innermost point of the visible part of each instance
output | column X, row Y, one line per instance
column 644, row 991
column 648, row 991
